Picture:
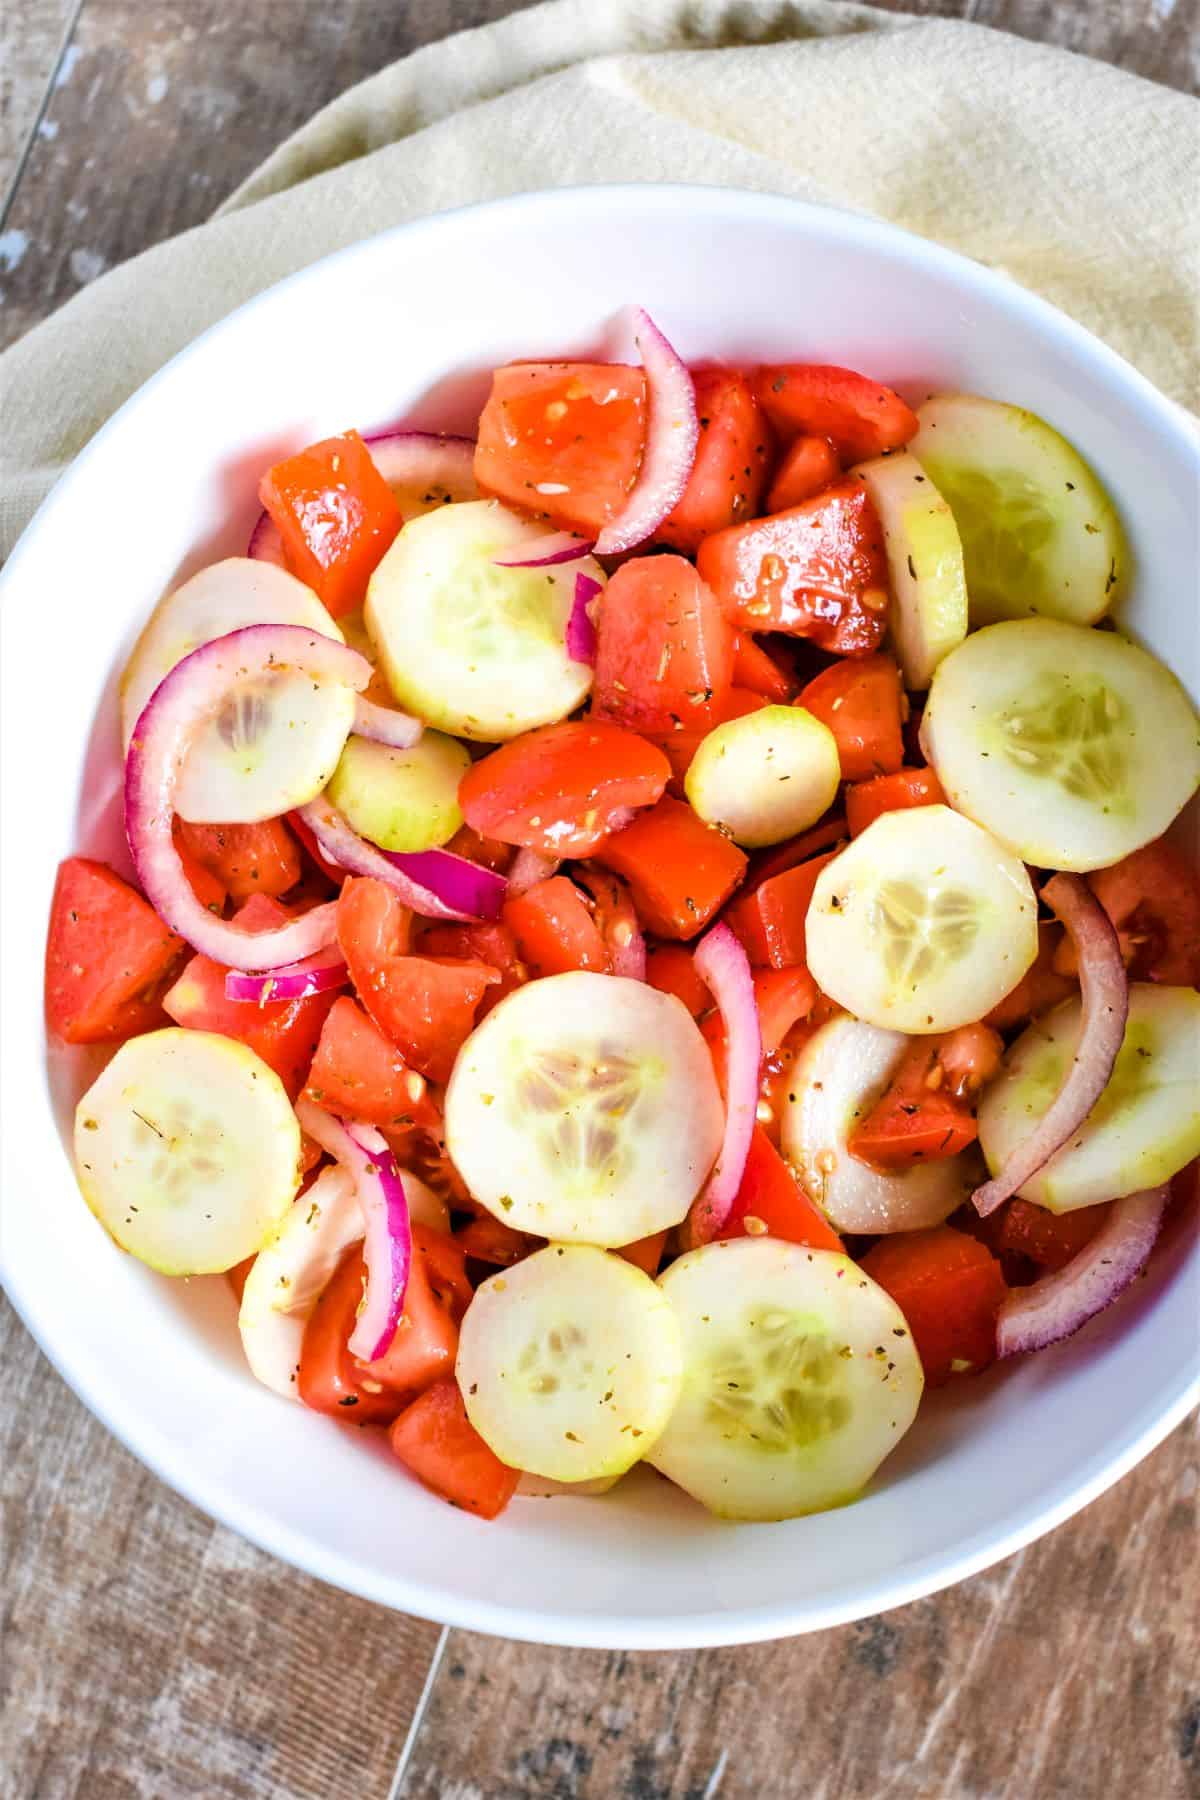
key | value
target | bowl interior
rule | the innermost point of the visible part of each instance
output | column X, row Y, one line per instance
column 406, row 326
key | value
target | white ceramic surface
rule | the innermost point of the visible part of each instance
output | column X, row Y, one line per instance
column 405, row 326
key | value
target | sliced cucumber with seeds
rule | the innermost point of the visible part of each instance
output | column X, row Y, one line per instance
column 1039, row 533
column 923, row 923
column 835, row 1081
column 800, row 1376
column 925, row 564
column 275, row 742
column 1145, row 1126
column 474, row 648
column 401, row 799
column 187, row 1150
column 1072, row 746
column 585, row 1108
column 569, row 1363
column 765, row 776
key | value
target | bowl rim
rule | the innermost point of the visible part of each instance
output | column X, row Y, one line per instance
column 1137, row 1435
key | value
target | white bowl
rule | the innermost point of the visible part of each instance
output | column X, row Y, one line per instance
column 406, row 326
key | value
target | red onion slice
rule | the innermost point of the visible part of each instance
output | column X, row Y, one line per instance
column 1104, row 988
column 581, row 629
column 158, row 749
column 387, row 1246
column 424, row 465
column 384, row 725
column 528, row 868
column 544, row 552
column 1057, row 1305
column 672, row 433
column 342, row 846
column 295, row 981
column 723, row 965
column 266, row 542
column 456, row 880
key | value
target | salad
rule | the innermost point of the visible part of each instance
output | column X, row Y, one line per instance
column 651, row 935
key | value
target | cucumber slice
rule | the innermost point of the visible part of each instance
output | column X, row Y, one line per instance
column 569, row 1363
column 924, row 922
column 401, row 799
column 290, row 1272
column 835, row 1081
column 274, row 744
column 187, row 1150
column 925, row 564
column 474, row 648
column 540, row 1487
column 1072, row 746
column 765, row 776
column 799, row 1377
column 1145, row 1126
column 585, row 1108
column 1039, row 533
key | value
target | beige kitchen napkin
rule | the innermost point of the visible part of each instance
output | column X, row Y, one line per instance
column 1077, row 179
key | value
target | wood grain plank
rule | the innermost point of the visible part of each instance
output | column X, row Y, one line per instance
column 149, row 1654
column 1067, row 1673
column 31, row 36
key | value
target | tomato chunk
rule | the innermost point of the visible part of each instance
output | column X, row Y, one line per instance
column 554, row 928
column 329, row 1379
column 336, row 515
column 491, row 1241
column 437, row 1443
column 867, row 801
column 489, row 853
column 425, row 1005
column 770, row 921
column 563, row 439
column 664, row 652
column 283, row 1032
column 861, row 703
column 1051, row 1240
column 918, row 1118
column 815, row 571
column 783, row 996
column 560, row 789
column 489, row 942
column 794, row 851
column 753, row 668
column 1041, row 986
column 681, row 871
column 861, row 417
column 358, row 1073
column 245, row 859
column 670, row 969
column 107, row 956
column 645, row 1253
column 730, row 470
column 770, row 1201
column 680, row 746
column 808, row 466
column 1153, row 899
column 949, row 1287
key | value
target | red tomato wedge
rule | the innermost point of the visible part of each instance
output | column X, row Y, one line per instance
column 807, row 467
column 491, row 1241
column 730, row 471
column 679, row 747
column 488, row 942
column 913, row 1121
column 1051, row 1240
column 208, row 888
column 563, row 439
column 437, row 1443
column 425, row 1005
column 245, row 859
column 554, row 928
column 1041, row 986
column 949, row 1287
column 754, row 669
column 680, row 870
column 107, row 956
column 559, row 789
column 1153, row 899
column 489, row 853
column 336, row 515
column 670, row 969
column 794, row 851
column 645, row 1253
column 329, row 1379
column 770, row 1201
column 664, row 652
column 283, row 1032
column 783, row 997
column 358, row 1073
column 815, row 571
column 860, row 417
column 860, row 702
column 867, row 801
column 770, row 921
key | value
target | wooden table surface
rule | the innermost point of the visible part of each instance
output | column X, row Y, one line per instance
column 145, row 1652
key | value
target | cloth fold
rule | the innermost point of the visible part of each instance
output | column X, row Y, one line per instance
column 1077, row 179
